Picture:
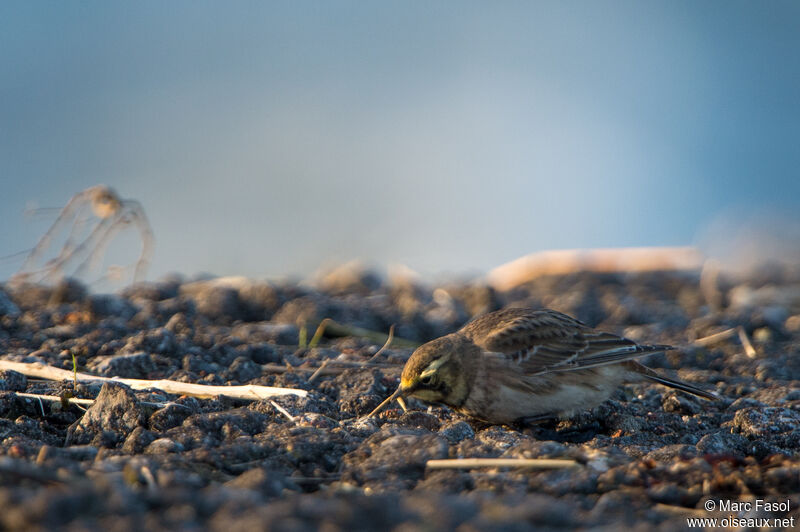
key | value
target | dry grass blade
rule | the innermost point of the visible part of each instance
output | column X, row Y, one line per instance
column 748, row 346
column 726, row 334
column 55, row 398
column 248, row 392
column 282, row 410
column 528, row 463
column 714, row 338
column 402, row 403
column 278, row 368
column 77, row 401
column 334, row 367
column 385, row 345
column 319, row 371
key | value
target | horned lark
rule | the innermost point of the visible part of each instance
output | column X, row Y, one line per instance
column 527, row 365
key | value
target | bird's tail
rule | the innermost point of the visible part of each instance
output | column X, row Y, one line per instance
column 673, row 383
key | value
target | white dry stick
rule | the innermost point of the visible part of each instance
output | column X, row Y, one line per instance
column 248, row 392
column 528, row 463
column 748, row 347
column 282, row 410
column 714, row 338
column 78, row 401
column 54, row 399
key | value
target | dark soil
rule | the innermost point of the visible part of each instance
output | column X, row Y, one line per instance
column 650, row 457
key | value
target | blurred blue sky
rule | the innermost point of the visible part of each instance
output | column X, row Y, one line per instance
column 269, row 138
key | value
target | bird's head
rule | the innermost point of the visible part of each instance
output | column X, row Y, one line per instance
column 436, row 372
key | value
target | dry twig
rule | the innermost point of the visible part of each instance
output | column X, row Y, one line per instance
column 319, row 371
column 749, row 350
column 247, row 392
column 385, row 346
column 55, row 399
column 714, row 338
column 78, row 401
column 282, row 410
column 528, row 463
column 726, row 334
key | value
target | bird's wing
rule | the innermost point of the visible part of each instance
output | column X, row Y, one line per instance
column 544, row 341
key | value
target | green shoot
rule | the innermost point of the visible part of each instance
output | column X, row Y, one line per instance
column 303, row 335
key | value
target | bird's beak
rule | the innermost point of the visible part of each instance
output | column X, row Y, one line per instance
column 398, row 394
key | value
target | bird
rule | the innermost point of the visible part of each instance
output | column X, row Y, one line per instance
column 522, row 365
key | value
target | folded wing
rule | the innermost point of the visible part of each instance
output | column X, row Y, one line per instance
column 543, row 341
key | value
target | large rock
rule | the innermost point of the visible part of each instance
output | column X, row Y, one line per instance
column 115, row 413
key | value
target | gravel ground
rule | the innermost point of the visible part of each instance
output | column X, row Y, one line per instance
column 649, row 458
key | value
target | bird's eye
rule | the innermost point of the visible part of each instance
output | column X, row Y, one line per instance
column 427, row 380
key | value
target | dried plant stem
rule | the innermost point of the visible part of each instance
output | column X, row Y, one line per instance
column 749, row 350
column 247, row 392
column 88, row 402
column 337, row 329
column 74, row 371
column 282, row 410
column 385, row 345
column 726, row 334
column 402, row 403
column 716, row 337
column 528, row 463
column 55, row 398
column 319, row 371
column 333, row 367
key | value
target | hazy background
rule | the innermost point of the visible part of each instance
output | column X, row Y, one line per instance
column 268, row 139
